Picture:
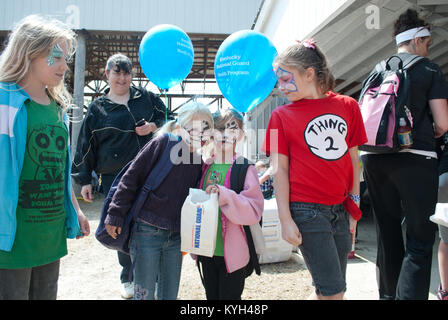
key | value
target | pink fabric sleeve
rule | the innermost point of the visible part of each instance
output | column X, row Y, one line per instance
column 247, row 207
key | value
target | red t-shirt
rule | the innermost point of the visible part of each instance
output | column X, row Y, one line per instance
column 316, row 135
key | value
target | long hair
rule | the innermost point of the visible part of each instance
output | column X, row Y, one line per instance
column 31, row 38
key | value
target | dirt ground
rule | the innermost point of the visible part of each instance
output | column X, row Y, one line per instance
column 92, row 272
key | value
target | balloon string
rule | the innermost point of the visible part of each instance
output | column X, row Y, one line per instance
column 166, row 104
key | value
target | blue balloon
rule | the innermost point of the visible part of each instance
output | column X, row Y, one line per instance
column 166, row 55
column 243, row 69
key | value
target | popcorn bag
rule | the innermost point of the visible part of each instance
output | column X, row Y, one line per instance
column 199, row 223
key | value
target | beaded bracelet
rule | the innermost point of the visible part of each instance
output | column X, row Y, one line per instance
column 355, row 197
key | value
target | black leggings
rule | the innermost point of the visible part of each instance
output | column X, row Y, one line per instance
column 220, row 285
column 403, row 185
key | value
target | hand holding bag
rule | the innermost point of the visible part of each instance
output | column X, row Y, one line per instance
column 441, row 214
column 199, row 223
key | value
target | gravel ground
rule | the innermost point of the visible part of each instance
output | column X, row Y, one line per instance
column 91, row 272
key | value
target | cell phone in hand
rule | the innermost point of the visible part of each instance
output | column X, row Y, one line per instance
column 140, row 123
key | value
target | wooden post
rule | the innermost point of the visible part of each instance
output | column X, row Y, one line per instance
column 79, row 82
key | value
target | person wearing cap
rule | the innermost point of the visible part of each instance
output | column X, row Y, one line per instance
column 116, row 127
column 403, row 186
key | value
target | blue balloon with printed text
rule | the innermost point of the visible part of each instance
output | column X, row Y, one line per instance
column 243, row 69
column 166, row 55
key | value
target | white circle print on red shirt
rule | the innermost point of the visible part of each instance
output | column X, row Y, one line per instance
column 325, row 137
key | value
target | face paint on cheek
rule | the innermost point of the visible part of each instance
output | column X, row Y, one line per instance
column 230, row 132
column 205, row 125
column 55, row 53
column 286, row 80
column 232, row 125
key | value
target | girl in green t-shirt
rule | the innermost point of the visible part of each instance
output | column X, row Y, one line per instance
column 35, row 61
column 225, row 273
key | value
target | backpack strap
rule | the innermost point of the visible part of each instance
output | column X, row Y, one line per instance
column 237, row 179
column 412, row 61
column 157, row 174
column 153, row 181
column 404, row 64
column 163, row 166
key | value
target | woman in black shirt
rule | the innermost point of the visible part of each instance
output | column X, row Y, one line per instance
column 404, row 185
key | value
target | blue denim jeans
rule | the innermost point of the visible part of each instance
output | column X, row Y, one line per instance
column 157, row 258
column 326, row 243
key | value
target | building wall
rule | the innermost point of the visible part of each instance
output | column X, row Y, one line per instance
column 285, row 21
column 193, row 16
column 256, row 122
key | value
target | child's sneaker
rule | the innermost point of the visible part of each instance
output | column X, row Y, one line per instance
column 127, row 291
column 442, row 294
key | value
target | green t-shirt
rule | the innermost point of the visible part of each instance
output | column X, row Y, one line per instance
column 216, row 174
column 41, row 232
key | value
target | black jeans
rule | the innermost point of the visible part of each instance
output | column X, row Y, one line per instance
column 403, row 185
column 220, row 285
column 123, row 259
column 38, row 283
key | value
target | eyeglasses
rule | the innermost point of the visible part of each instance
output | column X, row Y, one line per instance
column 203, row 130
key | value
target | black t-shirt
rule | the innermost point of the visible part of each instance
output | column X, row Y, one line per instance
column 427, row 83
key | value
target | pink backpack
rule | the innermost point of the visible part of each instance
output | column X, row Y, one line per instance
column 383, row 101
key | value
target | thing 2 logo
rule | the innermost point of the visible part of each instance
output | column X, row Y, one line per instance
column 325, row 137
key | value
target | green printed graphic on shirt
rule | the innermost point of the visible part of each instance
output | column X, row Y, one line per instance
column 41, row 232
column 216, row 174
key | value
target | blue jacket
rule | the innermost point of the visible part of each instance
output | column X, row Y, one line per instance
column 13, row 132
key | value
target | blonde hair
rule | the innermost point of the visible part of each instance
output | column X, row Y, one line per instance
column 185, row 115
column 260, row 164
column 31, row 38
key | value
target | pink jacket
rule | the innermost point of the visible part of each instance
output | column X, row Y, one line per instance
column 237, row 210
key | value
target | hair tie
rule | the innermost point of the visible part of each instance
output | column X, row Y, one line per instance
column 308, row 43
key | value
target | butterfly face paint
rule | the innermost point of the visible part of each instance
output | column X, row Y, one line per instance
column 286, row 80
column 56, row 53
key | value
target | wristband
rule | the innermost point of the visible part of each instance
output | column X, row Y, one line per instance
column 355, row 197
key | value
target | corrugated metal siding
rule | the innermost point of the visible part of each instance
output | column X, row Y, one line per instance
column 257, row 121
column 290, row 20
column 193, row 16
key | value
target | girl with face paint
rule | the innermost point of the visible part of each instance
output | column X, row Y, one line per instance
column 155, row 241
column 38, row 209
column 313, row 143
column 224, row 274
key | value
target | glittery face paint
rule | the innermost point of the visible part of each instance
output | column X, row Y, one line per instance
column 286, row 80
column 56, row 53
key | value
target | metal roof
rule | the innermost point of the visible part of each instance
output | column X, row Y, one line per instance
column 193, row 16
column 350, row 36
column 354, row 42
column 112, row 26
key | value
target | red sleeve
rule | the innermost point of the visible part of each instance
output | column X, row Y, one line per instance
column 275, row 139
column 352, row 209
column 357, row 133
